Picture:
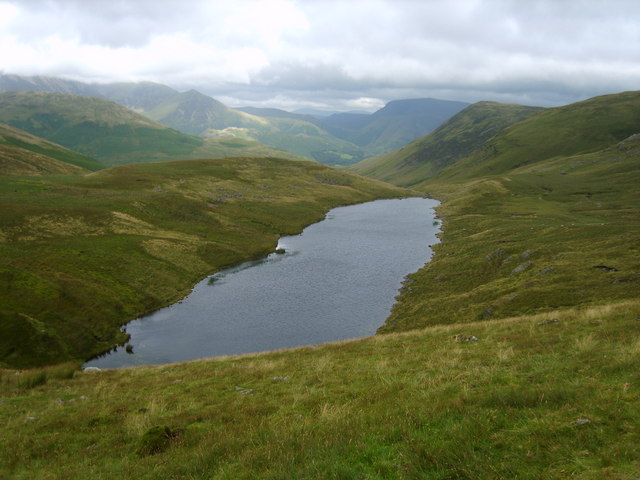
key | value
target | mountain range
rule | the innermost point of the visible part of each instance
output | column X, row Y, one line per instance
column 339, row 139
column 513, row 353
column 111, row 133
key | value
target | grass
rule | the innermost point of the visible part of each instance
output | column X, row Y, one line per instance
column 110, row 133
column 456, row 138
column 513, row 354
column 528, row 241
column 82, row 255
column 551, row 396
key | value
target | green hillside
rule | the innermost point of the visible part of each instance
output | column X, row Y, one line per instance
column 393, row 126
column 513, row 353
column 111, row 133
column 24, row 154
column 82, row 255
column 336, row 140
column 559, row 233
column 453, row 140
column 581, row 127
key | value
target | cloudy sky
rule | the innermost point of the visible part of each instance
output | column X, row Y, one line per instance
column 343, row 55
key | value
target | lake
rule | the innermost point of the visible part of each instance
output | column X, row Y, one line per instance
column 337, row 280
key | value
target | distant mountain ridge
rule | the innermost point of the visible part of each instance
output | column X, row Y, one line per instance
column 340, row 139
column 489, row 139
column 393, row 126
column 453, row 140
column 112, row 133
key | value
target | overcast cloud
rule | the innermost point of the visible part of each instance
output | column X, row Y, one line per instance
column 334, row 54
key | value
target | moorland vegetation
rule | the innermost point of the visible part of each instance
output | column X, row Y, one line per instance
column 513, row 354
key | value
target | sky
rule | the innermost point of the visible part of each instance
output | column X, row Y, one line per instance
column 334, row 55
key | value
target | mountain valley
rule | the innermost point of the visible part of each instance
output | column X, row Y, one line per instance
column 513, row 353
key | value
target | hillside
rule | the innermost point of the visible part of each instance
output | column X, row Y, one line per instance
column 82, row 255
column 551, row 396
column 111, row 133
column 453, row 140
column 196, row 114
column 514, row 353
column 581, row 127
column 340, row 139
column 554, row 234
column 24, row 154
column 393, row 126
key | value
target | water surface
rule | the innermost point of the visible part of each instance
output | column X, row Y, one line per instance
column 337, row 280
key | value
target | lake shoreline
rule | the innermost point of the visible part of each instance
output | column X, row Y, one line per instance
column 270, row 258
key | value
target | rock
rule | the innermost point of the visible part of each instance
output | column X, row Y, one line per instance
column 521, row 268
column 582, row 421
column 525, row 255
column 545, row 270
column 91, row 369
column 465, row 338
column 282, row 379
column 496, row 255
column 488, row 312
column 605, row 268
column 30, row 419
column 549, row 322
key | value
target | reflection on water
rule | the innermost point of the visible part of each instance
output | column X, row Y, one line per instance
column 336, row 280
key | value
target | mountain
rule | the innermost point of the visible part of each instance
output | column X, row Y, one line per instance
column 581, row 127
column 513, row 353
column 111, row 133
column 24, row 154
column 339, row 139
column 391, row 127
column 196, row 114
column 453, row 140
column 277, row 113
column 531, row 215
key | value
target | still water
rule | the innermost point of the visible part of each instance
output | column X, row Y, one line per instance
column 337, row 280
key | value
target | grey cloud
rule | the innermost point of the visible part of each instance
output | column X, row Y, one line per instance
column 541, row 52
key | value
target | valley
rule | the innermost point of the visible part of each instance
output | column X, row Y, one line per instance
column 512, row 354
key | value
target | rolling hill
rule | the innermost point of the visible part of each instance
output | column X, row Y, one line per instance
column 453, row 140
column 111, row 133
column 340, row 139
column 582, row 127
column 24, row 154
column 532, row 214
column 84, row 254
column 514, row 353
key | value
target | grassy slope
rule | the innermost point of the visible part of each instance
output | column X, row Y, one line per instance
column 81, row 255
column 24, row 153
column 554, row 220
column 111, row 133
column 197, row 114
column 453, row 140
column 581, row 127
column 552, row 396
